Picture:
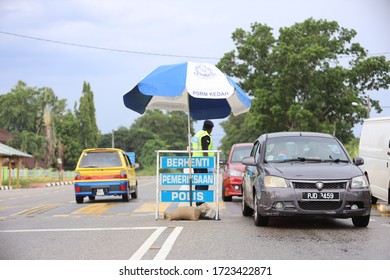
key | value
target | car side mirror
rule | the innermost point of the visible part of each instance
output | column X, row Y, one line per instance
column 358, row 161
column 249, row 161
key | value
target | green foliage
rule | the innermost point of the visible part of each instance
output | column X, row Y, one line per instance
column 297, row 81
column 154, row 130
column 353, row 147
column 29, row 114
column 89, row 132
column 68, row 131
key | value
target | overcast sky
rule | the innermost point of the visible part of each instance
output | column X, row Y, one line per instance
column 141, row 35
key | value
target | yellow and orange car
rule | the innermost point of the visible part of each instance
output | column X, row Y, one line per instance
column 105, row 172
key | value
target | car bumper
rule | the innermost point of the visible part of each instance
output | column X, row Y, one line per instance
column 100, row 188
column 289, row 202
column 233, row 186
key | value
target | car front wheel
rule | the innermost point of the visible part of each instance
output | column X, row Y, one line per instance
column 361, row 221
column 224, row 197
column 259, row 220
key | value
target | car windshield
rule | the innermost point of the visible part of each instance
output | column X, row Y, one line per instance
column 100, row 159
column 304, row 148
column 240, row 152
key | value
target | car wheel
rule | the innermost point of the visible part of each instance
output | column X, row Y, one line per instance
column 224, row 197
column 125, row 197
column 79, row 199
column 246, row 210
column 91, row 197
column 259, row 220
column 134, row 194
column 374, row 200
column 361, row 221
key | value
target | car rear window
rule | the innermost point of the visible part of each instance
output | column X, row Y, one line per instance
column 240, row 152
column 100, row 159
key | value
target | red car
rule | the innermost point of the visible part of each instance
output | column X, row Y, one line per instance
column 232, row 176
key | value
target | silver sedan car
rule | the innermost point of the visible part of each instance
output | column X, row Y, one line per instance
column 304, row 174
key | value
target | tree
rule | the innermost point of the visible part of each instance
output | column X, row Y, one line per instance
column 307, row 79
column 68, row 132
column 19, row 108
column 29, row 114
column 155, row 130
column 89, row 132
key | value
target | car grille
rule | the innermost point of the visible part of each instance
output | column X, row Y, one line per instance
column 320, row 205
column 338, row 185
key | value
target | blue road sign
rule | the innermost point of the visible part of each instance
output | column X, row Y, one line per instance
column 184, row 196
column 182, row 162
column 173, row 179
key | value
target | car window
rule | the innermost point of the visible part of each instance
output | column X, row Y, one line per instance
column 240, row 152
column 128, row 161
column 100, row 159
column 304, row 148
column 258, row 152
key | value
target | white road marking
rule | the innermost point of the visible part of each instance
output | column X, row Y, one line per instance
column 75, row 229
column 168, row 244
column 161, row 255
column 147, row 244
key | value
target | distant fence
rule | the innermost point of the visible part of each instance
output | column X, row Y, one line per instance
column 35, row 173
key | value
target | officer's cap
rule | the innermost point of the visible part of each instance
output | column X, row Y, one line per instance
column 208, row 123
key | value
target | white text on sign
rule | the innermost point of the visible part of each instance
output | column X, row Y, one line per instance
column 205, row 179
column 182, row 162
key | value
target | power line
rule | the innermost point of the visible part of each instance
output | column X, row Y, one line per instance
column 104, row 49
column 132, row 52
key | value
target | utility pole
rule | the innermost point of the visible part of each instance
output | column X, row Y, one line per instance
column 368, row 107
column 112, row 140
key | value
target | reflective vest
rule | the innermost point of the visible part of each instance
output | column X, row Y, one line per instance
column 197, row 143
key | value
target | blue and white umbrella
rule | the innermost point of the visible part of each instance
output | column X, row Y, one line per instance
column 199, row 89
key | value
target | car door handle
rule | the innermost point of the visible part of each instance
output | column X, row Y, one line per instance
column 388, row 153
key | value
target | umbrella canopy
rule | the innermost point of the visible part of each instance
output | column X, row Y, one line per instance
column 200, row 89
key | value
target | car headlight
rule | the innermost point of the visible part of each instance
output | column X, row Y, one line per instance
column 236, row 173
column 274, row 182
column 359, row 182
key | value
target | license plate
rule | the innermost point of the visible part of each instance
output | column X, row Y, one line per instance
column 99, row 192
column 321, row 196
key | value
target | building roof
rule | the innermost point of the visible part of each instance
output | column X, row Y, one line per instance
column 7, row 151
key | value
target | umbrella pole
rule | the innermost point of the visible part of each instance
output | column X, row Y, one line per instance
column 189, row 156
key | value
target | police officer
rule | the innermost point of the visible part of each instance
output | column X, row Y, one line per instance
column 202, row 141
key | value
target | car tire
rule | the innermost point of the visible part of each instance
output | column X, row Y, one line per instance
column 361, row 221
column 134, row 194
column 125, row 197
column 374, row 200
column 224, row 197
column 91, row 197
column 259, row 220
column 246, row 210
column 79, row 199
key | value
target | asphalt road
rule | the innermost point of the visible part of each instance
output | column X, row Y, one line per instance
column 47, row 224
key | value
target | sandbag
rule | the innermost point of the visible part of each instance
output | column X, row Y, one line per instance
column 206, row 212
column 185, row 213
